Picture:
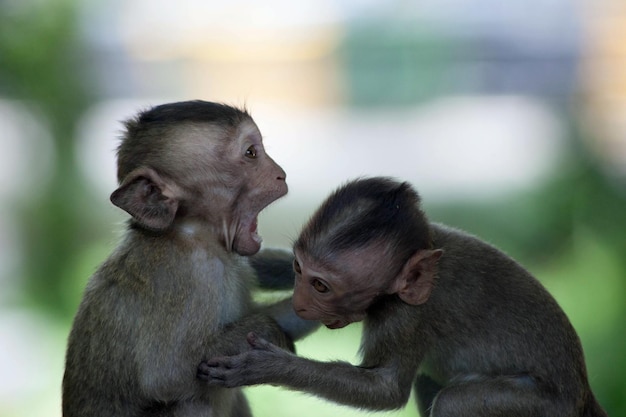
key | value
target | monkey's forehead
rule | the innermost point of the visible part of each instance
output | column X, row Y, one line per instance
column 347, row 261
column 197, row 139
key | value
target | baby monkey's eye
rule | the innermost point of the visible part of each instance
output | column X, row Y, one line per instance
column 319, row 286
column 251, row 152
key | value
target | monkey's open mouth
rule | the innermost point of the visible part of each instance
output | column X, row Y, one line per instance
column 337, row 324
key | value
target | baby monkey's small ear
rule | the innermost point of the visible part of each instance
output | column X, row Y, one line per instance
column 417, row 279
column 152, row 201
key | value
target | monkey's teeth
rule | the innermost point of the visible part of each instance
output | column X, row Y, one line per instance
column 254, row 233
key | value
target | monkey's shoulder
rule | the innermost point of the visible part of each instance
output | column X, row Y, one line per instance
column 147, row 259
column 463, row 250
column 453, row 239
column 477, row 271
column 143, row 276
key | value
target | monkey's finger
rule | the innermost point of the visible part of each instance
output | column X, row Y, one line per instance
column 202, row 375
column 258, row 342
column 213, row 380
column 203, row 367
column 218, row 362
column 205, row 371
column 212, row 375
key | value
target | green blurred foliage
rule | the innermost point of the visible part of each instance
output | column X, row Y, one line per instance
column 41, row 64
column 384, row 59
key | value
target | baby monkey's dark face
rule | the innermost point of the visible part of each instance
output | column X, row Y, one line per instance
column 338, row 292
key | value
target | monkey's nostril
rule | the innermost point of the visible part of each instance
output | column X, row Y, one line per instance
column 282, row 175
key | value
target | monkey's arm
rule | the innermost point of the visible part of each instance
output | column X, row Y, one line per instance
column 176, row 379
column 378, row 388
column 274, row 269
column 232, row 339
column 277, row 323
column 295, row 327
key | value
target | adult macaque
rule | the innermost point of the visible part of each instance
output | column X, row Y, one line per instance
column 193, row 176
column 471, row 329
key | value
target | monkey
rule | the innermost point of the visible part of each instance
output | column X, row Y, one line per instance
column 193, row 176
column 444, row 312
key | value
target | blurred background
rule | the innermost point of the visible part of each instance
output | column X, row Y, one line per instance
column 508, row 117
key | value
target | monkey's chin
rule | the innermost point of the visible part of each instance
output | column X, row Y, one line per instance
column 249, row 247
column 337, row 324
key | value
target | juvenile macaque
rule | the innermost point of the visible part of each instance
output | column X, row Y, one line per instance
column 467, row 326
column 193, row 176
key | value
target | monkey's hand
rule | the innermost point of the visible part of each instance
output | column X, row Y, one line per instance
column 262, row 364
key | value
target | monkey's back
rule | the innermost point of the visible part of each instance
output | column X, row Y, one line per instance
column 497, row 318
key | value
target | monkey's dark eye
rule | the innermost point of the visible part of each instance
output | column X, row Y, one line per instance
column 251, row 152
column 296, row 267
column 319, row 286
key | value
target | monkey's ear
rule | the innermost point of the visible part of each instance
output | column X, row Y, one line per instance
column 417, row 279
column 148, row 198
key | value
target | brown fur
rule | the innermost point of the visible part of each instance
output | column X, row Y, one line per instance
column 463, row 323
column 193, row 176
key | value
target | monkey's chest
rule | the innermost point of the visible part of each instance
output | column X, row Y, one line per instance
column 213, row 304
column 219, row 291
